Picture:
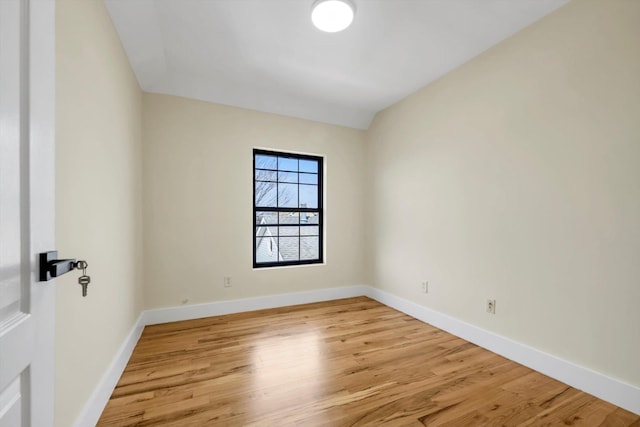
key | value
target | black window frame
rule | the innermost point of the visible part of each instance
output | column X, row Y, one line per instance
column 319, row 210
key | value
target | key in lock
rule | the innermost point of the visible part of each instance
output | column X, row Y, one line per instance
column 83, row 280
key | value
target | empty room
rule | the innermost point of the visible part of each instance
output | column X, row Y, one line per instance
column 319, row 213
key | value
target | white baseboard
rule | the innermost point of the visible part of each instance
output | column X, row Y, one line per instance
column 612, row 390
column 95, row 405
column 617, row 392
column 196, row 311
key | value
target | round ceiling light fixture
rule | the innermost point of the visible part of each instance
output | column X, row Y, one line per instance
column 332, row 15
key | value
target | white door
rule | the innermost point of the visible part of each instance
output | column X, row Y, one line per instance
column 26, row 211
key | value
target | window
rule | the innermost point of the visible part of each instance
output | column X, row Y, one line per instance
column 287, row 209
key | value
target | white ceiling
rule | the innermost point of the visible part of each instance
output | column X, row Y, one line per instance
column 266, row 55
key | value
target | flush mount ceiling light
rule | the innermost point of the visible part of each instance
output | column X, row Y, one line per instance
column 332, row 15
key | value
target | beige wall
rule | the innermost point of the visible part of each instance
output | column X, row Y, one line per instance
column 517, row 177
column 98, row 199
column 198, row 201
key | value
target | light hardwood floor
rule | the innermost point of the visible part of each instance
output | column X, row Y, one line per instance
column 350, row 362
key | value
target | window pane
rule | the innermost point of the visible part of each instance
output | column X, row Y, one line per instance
column 309, row 196
column 288, row 218
column 266, row 249
column 308, row 178
column 309, row 231
column 266, row 162
column 304, row 217
column 288, row 195
column 266, row 175
column 288, row 177
column 289, row 231
column 287, row 164
column 309, row 248
column 266, row 194
column 266, row 218
column 264, row 231
column 309, row 166
column 311, row 218
column 288, row 247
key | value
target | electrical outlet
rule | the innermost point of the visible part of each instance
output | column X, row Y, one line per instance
column 227, row 281
column 425, row 287
column 491, row 306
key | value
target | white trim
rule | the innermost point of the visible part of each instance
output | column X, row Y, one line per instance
column 609, row 389
column 619, row 393
column 196, row 311
column 98, row 401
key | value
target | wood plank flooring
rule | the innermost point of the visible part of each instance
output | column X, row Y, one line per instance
column 351, row 362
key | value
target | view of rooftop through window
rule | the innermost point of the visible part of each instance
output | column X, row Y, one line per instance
column 287, row 209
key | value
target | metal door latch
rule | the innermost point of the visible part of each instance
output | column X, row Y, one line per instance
column 51, row 266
